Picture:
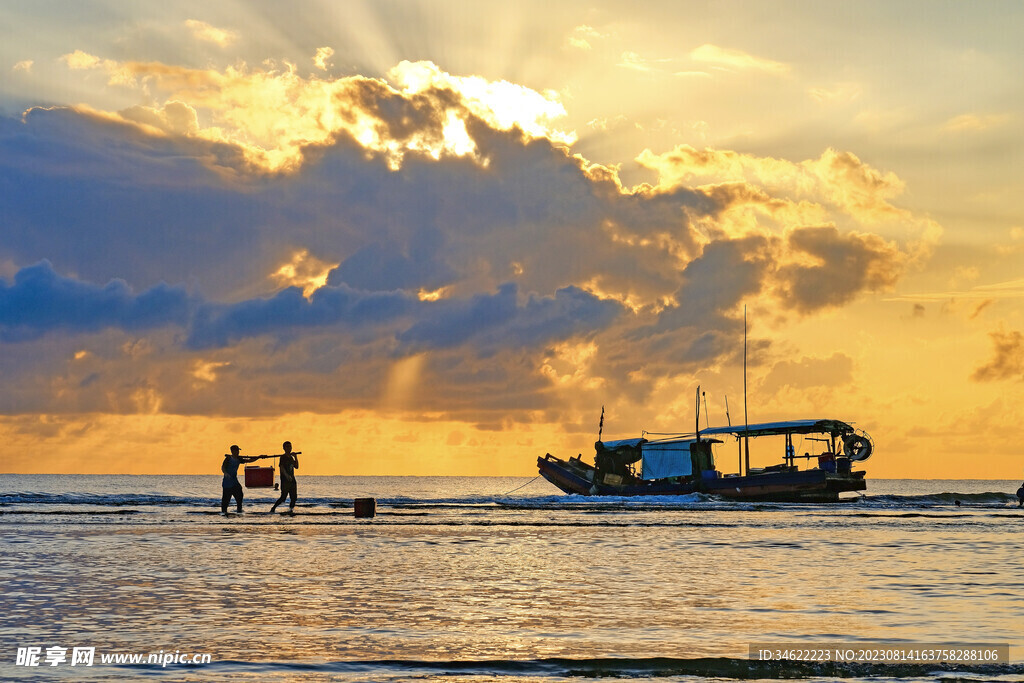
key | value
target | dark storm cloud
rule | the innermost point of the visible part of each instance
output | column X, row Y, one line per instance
column 40, row 301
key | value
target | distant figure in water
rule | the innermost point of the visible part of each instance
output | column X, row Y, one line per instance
column 232, row 487
column 1020, row 496
column 957, row 503
column 289, row 463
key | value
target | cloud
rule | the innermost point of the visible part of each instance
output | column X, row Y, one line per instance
column 836, row 177
column 24, row 65
column 118, row 74
column 838, row 93
column 809, row 372
column 426, row 231
column 320, row 59
column 304, row 271
column 634, row 62
column 40, row 301
column 1010, row 289
column 718, row 280
column 1007, row 362
column 273, row 114
column 845, row 266
column 737, row 60
column 500, row 321
column 776, row 193
column 211, row 34
column 288, row 312
column 979, row 308
column 966, row 123
column 582, row 37
column 501, row 104
column 692, row 74
column 174, row 118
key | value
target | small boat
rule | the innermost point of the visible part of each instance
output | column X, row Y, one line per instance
column 681, row 464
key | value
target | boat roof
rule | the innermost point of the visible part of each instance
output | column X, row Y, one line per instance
column 832, row 427
column 612, row 445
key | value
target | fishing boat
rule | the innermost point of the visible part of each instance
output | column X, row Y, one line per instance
column 680, row 464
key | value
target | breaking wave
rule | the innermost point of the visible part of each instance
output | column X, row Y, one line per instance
column 721, row 668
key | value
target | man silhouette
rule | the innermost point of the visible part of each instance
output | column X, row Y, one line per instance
column 232, row 487
column 289, row 462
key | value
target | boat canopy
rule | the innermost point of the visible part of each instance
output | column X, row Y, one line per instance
column 667, row 459
column 830, row 427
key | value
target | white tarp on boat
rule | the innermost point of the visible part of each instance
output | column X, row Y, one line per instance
column 667, row 459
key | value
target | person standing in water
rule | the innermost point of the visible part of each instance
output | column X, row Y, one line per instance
column 289, row 463
column 232, row 487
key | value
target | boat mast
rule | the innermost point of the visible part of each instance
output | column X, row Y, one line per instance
column 746, row 424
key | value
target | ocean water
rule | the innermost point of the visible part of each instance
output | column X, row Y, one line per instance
column 499, row 579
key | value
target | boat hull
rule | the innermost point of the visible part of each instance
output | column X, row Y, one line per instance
column 804, row 486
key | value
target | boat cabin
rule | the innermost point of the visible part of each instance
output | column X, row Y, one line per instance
column 691, row 456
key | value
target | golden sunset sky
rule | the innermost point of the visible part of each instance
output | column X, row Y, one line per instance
column 436, row 237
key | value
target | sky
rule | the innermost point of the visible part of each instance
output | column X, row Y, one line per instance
column 436, row 238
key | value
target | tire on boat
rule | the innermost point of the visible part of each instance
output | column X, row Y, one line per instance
column 857, row 447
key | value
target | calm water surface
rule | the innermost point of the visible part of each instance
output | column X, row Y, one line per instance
column 465, row 579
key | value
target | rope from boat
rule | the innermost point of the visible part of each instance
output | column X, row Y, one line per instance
column 524, row 485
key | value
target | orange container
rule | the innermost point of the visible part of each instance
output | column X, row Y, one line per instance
column 259, row 477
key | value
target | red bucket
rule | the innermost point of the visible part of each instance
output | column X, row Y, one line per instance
column 259, row 477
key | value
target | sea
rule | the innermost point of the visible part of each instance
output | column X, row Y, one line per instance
column 506, row 579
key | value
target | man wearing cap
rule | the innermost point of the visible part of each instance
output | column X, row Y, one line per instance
column 232, row 487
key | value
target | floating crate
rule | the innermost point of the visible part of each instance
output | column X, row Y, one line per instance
column 365, row 507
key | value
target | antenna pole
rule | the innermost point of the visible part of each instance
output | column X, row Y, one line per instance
column 739, row 466
column 600, row 426
column 697, row 417
column 746, row 424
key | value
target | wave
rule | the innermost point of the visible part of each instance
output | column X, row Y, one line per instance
column 99, row 499
column 723, row 668
column 568, row 503
column 982, row 500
